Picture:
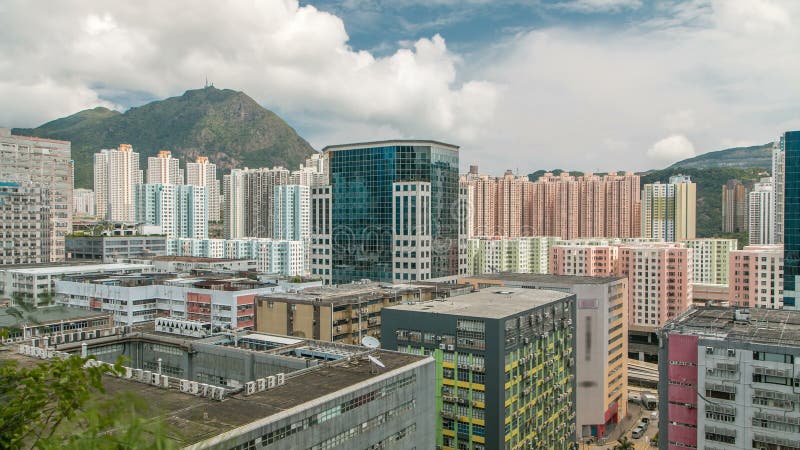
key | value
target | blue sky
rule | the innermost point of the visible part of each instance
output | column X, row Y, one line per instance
column 522, row 85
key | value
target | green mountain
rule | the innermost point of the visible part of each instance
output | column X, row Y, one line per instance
column 227, row 126
column 739, row 157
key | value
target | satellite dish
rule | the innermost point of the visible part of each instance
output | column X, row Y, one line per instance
column 376, row 361
column 370, row 342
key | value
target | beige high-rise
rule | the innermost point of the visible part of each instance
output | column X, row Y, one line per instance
column 164, row 169
column 116, row 172
column 204, row 173
column 37, row 178
column 669, row 211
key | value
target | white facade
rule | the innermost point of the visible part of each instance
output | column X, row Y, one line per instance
column 178, row 298
column 116, row 173
column 249, row 201
column 411, row 231
column 180, row 211
column 321, row 230
column 204, row 173
column 778, row 190
column 761, row 213
column 288, row 258
column 33, row 282
column 164, row 169
column 83, row 203
column 291, row 212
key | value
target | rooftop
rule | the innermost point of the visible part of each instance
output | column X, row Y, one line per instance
column 191, row 419
column 489, row 303
column 543, row 279
column 194, row 259
column 352, row 292
column 390, row 143
column 219, row 283
column 46, row 315
column 765, row 326
column 71, row 267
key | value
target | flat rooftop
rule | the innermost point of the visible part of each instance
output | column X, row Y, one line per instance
column 193, row 259
column 221, row 283
column 191, row 419
column 70, row 268
column 347, row 293
column 543, row 279
column 46, row 315
column 391, row 143
column 766, row 326
column 495, row 303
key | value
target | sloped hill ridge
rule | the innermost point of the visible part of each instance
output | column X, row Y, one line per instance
column 739, row 158
column 227, row 126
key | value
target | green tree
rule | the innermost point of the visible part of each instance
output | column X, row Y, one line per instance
column 54, row 405
column 624, row 444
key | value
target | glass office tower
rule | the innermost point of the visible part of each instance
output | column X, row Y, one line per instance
column 790, row 146
column 372, row 188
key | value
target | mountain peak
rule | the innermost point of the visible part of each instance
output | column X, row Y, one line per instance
column 228, row 126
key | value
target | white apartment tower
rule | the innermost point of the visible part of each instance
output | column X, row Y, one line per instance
column 204, row 173
column 291, row 212
column 164, row 169
column 180, row 211
column 778, row 190
column 249, row 201
column 761, row 213
column 116, row 172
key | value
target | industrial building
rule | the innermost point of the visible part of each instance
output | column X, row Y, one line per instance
column 259, row 391
column 728, row 379
column 601, row 347
column 505, row 365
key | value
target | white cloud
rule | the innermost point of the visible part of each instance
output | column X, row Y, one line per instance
column 291, row 58
column 672, row 149
column 597, row 6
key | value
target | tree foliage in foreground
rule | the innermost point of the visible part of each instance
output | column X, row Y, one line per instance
column 55, row 405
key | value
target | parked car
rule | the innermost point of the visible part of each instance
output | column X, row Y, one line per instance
column 637, row 432
column 645, row 422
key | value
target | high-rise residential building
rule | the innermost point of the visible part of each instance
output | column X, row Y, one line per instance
column 727, row 380
column 291, row 212
column 25, row 225
column 778, row 188
column 394, row 212
column 659, row 282
column 164, row 169
column 505, row 365
column 790, row 146
column 734, row 207
column 659, row 275
column 313, row 173
column 761, row 215
column 711, row 259
column 321, row 233
column 249, row 201
column 204, row 173
column 287, row 258
column 500, row 254
column 42, row 170
column 669, row 211
column 756, row 277
column 601, row 344
column 116, row 172
column 180, row 210
column 587, row 206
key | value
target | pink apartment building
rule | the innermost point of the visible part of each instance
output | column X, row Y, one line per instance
column 555, row 205
column 659, row 275
column 756, row 277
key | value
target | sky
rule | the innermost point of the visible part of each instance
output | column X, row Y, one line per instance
column 523, row 85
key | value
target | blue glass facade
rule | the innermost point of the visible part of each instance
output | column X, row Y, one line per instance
column 361, row 179
column 790, row 145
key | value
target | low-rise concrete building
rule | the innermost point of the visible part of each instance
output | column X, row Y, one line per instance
column 114, row 248
column 35, row 283
column 340, row 313
column 55, row 323
column 260, row 391
column 225, row 302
